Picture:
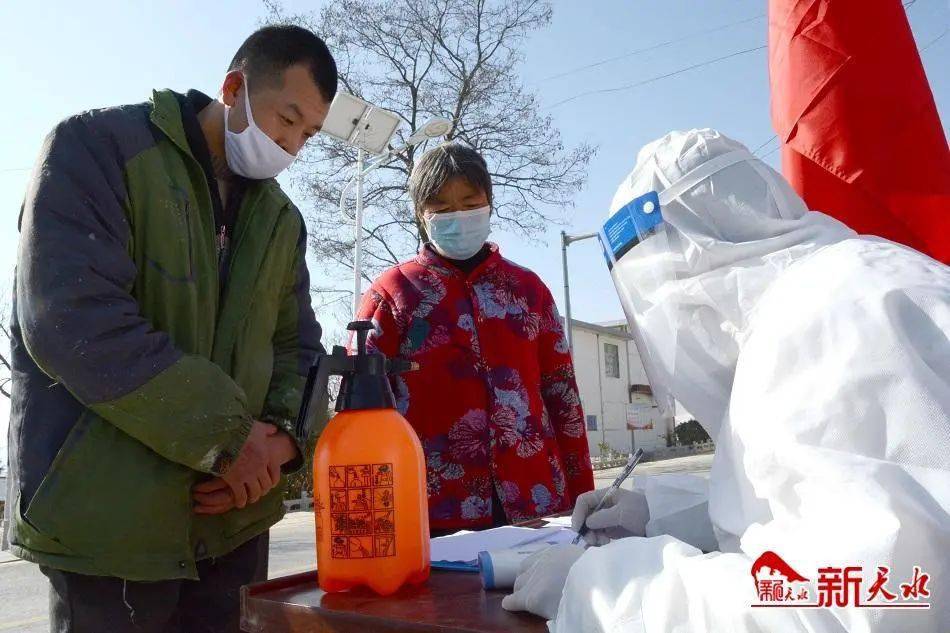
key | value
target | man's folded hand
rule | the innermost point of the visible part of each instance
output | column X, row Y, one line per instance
column 213, row 497
column 253, row 474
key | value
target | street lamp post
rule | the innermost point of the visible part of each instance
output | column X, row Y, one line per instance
column 567, row 240
column 430, row 130
column 358, row 238
column 368, row 128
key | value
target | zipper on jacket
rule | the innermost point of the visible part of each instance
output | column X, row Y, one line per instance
column 225, row 218
column 223, row 252
column 224, row 211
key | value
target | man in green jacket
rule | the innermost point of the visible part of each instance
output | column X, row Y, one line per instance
column 162, row 333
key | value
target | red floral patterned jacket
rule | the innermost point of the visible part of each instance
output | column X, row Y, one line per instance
column 495, row 401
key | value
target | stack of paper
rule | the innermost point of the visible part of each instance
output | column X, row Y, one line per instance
column 459, row 551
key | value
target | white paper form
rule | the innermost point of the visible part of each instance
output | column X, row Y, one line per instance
column 464, row 546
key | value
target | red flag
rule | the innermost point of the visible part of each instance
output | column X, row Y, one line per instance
column 862, row 140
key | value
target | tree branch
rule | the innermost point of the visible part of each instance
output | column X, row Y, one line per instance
column 423, row 58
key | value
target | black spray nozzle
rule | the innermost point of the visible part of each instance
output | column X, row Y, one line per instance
column 316, row 396
column 362, row 329
column 365, row 383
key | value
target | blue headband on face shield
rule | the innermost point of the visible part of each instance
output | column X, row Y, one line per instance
column 634, row 222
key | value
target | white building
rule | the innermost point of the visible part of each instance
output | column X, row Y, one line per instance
column 615, row 394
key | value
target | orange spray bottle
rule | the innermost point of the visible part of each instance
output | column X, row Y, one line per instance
column 369, row 475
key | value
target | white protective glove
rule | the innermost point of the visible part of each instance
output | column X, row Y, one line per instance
column 625, row 513
column 541, row 581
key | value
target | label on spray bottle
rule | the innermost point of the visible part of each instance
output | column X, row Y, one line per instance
column 362, row 511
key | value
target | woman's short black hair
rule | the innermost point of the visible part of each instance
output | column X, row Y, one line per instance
column 268, row 52
column 441, row 164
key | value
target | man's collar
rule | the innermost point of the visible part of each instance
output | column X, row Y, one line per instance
column 166, row 115
column 190, row 105
column 198, row 100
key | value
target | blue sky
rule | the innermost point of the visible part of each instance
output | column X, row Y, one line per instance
column 58, row 57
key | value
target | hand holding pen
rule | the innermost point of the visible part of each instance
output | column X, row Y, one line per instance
column 605, row 514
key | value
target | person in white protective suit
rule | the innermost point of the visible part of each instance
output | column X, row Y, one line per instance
column 819, row 362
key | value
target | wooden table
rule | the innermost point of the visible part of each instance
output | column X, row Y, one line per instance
column 449, row 602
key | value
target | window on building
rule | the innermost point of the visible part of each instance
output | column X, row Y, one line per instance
column 612, row 360
column 592, row 423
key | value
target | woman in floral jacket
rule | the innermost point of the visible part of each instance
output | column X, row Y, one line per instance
column 495, row 400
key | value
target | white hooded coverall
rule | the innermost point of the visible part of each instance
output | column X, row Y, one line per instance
column 819, row 362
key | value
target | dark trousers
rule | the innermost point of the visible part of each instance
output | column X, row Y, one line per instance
column 98, row 604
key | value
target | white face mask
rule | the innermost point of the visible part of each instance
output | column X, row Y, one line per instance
column 252, row 153
column 459, row 234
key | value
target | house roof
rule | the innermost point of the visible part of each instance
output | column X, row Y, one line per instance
column 614, row 323
column 602, row 329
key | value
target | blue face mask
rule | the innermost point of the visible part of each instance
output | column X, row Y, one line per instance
column 459, row 234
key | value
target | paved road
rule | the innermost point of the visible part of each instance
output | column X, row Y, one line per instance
column 23, row 589
column 23, row 597
column 23, row 606
column 691, row 464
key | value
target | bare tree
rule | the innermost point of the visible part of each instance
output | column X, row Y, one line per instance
column 423, row 58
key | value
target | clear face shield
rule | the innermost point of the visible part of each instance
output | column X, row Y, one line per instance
column 639, row 278
column 650, row 262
